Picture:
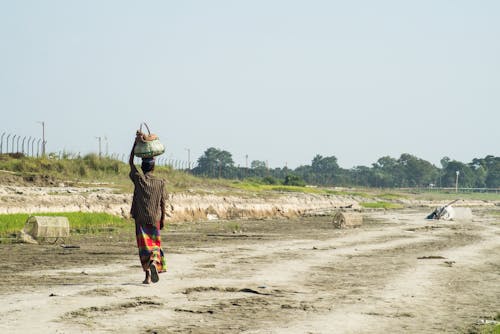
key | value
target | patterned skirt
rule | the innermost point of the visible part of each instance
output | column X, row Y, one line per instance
column 149, row 244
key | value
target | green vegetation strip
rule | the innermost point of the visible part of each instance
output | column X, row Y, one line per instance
column 258, row 187
column 349, row 193
column 79, row 222
column 380, row 205
column 391, row 196
column 450, row 196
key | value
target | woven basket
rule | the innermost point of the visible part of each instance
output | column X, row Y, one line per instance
column 148, row 145
column 47, row 227
column 347, row 219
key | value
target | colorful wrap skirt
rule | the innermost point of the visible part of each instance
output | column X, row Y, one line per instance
column 149, row 244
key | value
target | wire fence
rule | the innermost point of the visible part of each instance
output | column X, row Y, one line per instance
column 172, row 163
column 11, row 143
column 453, row 189
column 33, row 147
column 26, row 145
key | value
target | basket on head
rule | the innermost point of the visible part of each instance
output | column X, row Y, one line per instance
column 147, row 145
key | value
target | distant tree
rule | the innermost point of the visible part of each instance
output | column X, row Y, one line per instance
column 215, row 163
column 480, row 176
column 466, row 176
column 362, row 176
column 407, row 171
column 305, row 172
column 444, row 162
column 386, row 172
column 493, row 174
column 487, row 171
column 324, row 164
column 294, row 180
column 256, row 164
column 324, row 169
column 270, row 180
column 490, row 162
column 417, row 172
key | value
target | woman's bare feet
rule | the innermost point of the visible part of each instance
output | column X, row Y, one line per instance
column 147, row 280
column 153, row 272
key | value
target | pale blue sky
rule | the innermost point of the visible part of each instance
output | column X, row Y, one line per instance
column 280, row 81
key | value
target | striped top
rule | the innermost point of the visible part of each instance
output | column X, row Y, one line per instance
column 148, row 202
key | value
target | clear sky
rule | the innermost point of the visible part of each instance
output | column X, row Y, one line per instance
column 277, row 80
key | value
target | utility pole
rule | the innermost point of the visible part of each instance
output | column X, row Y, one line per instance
column 99, row 139
column 456, row 181
column 43, row 137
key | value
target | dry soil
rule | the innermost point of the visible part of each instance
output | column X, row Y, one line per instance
column 398, row 273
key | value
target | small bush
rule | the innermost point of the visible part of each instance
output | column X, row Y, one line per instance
column 270, row 180
column 294, row 180
column 82, row 171
column 91, row 160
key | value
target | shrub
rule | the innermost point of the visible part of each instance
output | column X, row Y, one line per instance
column 294, row 180
column 270, row 180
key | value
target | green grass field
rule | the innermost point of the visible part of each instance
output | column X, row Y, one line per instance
column 380, row 205
column 80, row 222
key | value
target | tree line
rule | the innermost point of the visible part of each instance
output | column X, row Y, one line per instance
column 388, row 172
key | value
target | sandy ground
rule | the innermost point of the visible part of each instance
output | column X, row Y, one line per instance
column 396, row 274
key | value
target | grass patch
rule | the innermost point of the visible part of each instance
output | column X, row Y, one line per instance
column 491, row 329
column 391, row 196
column 450, row 196
column 297, row 189
column 365, row 193
column 233, row 227
column 11, row 223
column 349, row 193
column 248, row 186
column 485, row 329
column 380, row 205
column 79, row 222
column 259, row 187
column 91, row 170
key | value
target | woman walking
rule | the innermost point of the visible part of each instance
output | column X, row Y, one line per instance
column 148, row 211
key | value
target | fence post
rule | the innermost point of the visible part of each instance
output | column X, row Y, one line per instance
column 7, row 146
column 33, row 147
column 13, row 139
column 38, row 148
column 22, row 148
column 1, row 143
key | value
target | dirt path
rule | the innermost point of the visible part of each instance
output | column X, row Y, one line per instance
column 292, row 276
